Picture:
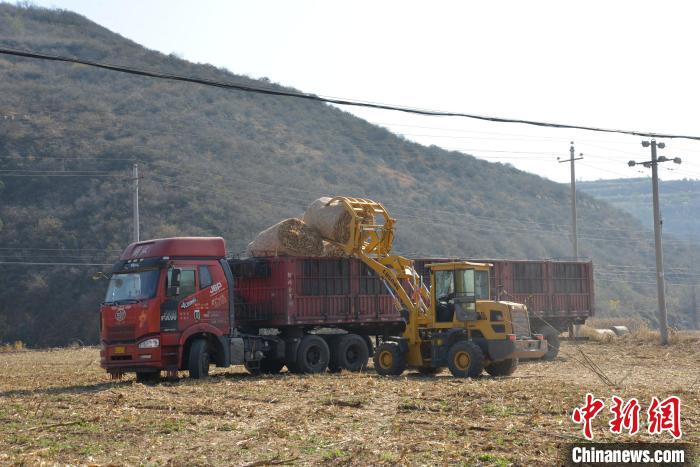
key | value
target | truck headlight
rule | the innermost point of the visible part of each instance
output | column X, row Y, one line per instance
column 150, row 343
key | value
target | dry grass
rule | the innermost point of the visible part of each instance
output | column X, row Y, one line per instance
column 640, row 332
column 16, row 346
column 59, row 407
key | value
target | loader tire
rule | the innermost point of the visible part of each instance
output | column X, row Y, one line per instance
column 350, row 353
column 502, row 368
column 313, row 355
column 551, row 335
column 199, row 360
column 389, row 360
column 465, row 359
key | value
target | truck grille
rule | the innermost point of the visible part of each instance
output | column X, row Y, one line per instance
column 120, row 333
column 521, row 322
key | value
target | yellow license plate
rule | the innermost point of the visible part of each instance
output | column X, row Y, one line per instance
column 119, row 350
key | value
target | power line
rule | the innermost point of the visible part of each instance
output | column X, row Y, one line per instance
column 61, row 175
column 36, row 158
column 314, row 97
column 26, row 263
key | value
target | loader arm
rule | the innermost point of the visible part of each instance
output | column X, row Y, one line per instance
column 371, row 236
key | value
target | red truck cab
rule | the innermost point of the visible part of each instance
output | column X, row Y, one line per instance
column 164, row 295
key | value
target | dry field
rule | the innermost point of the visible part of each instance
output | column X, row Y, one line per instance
column 59, row 407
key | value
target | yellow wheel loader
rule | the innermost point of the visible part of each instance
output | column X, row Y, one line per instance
column 452, row 323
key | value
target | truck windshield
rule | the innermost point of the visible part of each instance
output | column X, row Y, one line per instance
column 132, row 286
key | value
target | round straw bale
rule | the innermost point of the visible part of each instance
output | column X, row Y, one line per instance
column 332, row 221
column 291, row 237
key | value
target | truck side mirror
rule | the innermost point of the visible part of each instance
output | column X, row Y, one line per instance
column 175, row 277
column 174, row 284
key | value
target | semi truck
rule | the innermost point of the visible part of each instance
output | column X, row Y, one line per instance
column 559, row 294
column 179, row 304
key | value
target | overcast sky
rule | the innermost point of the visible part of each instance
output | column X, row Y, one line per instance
column 618, row 64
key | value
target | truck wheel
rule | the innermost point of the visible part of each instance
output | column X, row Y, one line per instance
column 551, row 335
column 147, row 377
column 502, row 368
column 199, row 359
column 351, row 353
column 333, row 365
column 389, row 360
column 313, row 354
column 465, row 359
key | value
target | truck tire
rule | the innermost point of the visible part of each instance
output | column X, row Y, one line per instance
column 350, row 353
column 333, row 365
column 147, row 377
column 199, row 360
column 465, row 359
column 551, row 335
column 313, row 354
column 389, row 360
column 502, row 368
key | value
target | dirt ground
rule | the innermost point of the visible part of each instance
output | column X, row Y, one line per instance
column 58, row 406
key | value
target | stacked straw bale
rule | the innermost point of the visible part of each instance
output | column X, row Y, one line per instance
column 291, row 237
column 318, row 234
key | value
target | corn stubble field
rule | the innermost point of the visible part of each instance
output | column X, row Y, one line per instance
column 58, row 406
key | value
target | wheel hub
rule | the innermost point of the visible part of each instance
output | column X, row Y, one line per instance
column 385, row 359
column 462, row 360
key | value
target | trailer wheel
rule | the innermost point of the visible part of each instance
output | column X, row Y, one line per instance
column 199, row 360
column 147, row 377
column 389, row 360
column 465, row 359
column 313, row 354
column 333, row 365
column 502, row 368
column 350, row 353
column 551, row 335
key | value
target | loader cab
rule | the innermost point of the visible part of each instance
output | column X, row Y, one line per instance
column 456, row 287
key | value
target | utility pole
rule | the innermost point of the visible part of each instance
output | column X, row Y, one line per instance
column 574, row 231
column 660, row 282
column 694, row 305
column 136, row 202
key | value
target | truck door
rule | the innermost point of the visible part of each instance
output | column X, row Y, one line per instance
column 178, row 297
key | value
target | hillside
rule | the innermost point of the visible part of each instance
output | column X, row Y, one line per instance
column 679, row 200
column 230, row 163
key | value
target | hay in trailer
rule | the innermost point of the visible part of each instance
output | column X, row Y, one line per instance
column 333, row 250
column 332, row 221
column 291, row 237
